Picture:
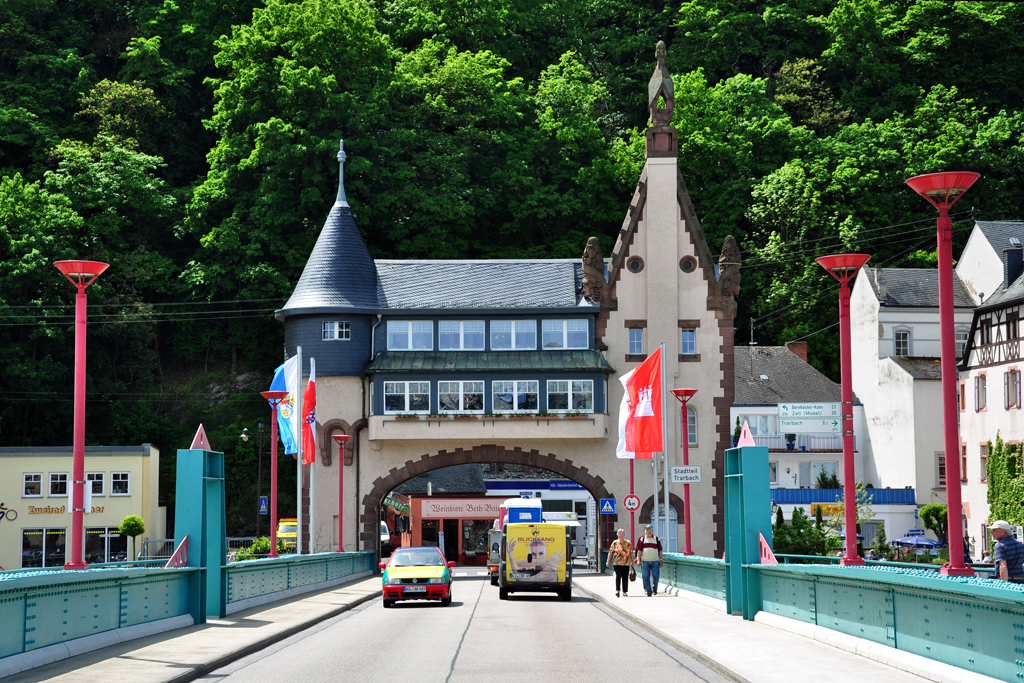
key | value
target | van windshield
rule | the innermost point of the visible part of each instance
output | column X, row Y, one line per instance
column 417, row 558
column 286, row 529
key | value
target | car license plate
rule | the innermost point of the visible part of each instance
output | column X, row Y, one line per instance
column 520, row 576
column 415, row 589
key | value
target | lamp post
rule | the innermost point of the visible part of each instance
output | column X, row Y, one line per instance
column 341, row 440
column 943, row 190
column 844, row 267
column 273, row 398
column 81, row 274
column 684, row 395
column 260, row 436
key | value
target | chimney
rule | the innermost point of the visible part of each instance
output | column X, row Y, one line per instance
column 1013, row 259
column 799, row 348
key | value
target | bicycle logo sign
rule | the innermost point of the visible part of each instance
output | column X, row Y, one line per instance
column 8, row 514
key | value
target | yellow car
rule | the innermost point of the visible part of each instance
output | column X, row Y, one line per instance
column 287, row 532
column 417, row 574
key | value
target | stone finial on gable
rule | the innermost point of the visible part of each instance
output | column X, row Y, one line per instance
column 341, row 174
column 727, row 288
column 661, row 98
column 593, row 271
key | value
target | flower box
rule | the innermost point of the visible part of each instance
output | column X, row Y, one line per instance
column 465, row 417
column 524, row 416
column 407, row 417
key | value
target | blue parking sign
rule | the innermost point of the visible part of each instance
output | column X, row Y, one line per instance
column 607, row 506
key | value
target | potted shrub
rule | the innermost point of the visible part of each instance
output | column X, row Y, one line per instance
column 407, row 416
column 790, row 442
column 435, row 416
column 522, row 416
column 464, row 416
column 574, row 415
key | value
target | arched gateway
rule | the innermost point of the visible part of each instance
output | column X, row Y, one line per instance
column 437, row 357
column 371, row 502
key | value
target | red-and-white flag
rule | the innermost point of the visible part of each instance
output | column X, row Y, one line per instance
column 309, row 417
column 640, row 427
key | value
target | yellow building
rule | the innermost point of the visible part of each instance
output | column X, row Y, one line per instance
column 35, row 517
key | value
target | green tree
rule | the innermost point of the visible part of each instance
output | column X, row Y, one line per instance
column 802, row 94
column 827, row 480
column 935, row 519
column 1005, row 482
column 133, row 526
column 800, row 537
column 881, row 543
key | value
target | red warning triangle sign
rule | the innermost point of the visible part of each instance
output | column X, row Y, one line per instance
column 200, row 442
column 746, row 438
column 767, row 556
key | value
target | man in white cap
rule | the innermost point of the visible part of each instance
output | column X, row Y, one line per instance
column 1008, row 556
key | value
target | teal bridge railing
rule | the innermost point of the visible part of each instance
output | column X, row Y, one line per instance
column 258, row 581
column 704, row 575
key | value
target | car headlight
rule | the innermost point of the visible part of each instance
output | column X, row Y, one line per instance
column 394, row 582
column 441, row 580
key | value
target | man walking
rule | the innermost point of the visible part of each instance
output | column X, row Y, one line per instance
column 648, row 552
column 1009, row 553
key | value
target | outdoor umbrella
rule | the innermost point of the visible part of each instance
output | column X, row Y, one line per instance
column 917, row 542
column 842, row 535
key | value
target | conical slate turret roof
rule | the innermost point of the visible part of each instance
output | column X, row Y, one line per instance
column 339, row 273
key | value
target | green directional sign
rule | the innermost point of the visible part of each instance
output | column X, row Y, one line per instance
column 810, row 425
column 822, row 410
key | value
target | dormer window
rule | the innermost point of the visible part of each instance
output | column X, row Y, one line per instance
column 513, row 334
column 565, row 334
column 455, row 335
column 410, row 335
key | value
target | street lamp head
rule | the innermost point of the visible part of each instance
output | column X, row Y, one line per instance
column 843, row 266
column 245, row 434
column 81, row 273
column 274, row 396
column 943, row 190
column 342, row 439
column 684, row 395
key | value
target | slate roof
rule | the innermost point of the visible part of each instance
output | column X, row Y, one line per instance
column 919, row 368
column 790, row 378
column 998, row 233
column 916, row 287
column 1004, row 295
column 447, row 480
column 523, row 361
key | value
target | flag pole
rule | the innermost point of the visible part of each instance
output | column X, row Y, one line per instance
column 297, row 433
column 664, row 443
column 654, row 459
column 632, row 513
column 312, row 470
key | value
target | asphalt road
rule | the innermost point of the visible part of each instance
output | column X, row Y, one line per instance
column 477, row 638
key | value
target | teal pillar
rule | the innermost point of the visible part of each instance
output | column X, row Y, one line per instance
column 748, row 512
column 199, row 513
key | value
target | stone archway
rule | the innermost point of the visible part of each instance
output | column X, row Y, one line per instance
column 370, row 519
column 648, row 507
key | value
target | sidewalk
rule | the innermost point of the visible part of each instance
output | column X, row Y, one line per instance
column 765, row 651
column 188, row 653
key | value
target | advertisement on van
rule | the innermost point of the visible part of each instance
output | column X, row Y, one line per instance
column 535, row 553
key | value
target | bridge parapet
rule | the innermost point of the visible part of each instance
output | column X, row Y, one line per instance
column 255, row 582
column 704, row 575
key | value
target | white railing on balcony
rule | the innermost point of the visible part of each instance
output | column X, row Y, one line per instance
column 802, row 442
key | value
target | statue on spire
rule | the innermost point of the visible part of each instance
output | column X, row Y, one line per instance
column 662, row 138
column 593, row 271
column 727, row 288
column 341, row 174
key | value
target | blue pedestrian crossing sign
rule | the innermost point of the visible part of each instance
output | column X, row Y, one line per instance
column 607, row 506
column 263, row 505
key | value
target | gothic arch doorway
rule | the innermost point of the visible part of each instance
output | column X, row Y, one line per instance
column 369, row 537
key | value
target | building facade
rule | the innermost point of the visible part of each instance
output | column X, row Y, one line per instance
column 438, row 363
column 34, row 499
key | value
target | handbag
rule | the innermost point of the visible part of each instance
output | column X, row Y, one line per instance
column 632, row 574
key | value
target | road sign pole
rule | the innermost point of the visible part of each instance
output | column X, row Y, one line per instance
column 632, row 514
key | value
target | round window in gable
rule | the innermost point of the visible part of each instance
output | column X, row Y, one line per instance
column 635, row 264
column 688, row 264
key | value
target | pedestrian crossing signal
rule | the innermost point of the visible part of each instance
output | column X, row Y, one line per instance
column 607, row 506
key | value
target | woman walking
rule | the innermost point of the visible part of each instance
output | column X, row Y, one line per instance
column 620, row 556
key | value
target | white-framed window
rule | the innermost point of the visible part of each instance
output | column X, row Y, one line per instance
column 691, row 425
column 406, row 397
column 95, row 480
column 901, row 342
column 340, row 330
column 455, row 335
column 940, row 468
column 980, row 392
column 119, row 483
column 570, row 395
column 522, row 396
column 1011, row 389
column 688, row 342
column 513, row 334
column 636, row 342
column 58, row 484
column 43, row 547
column 773, row 472
column 830, row 468
column 32, row 485
column 961, row 342
column 410, row 335
column 460, row 397
column 564, row 334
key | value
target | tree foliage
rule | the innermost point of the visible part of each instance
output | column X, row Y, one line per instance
column 1005, row 482
column 935, row 519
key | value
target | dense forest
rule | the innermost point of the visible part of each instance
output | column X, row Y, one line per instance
column 191, row 144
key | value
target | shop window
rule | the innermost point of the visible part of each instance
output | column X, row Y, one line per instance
column 119, row 483
column 460, row 397
column 105, row 544
column 33, row 485
column 58, row 484
column 570, row 395
column 518, row 397
column 95, row 480
column 406, row 397
column 42, row 548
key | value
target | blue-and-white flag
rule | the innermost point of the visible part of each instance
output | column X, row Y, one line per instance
column 284, row 380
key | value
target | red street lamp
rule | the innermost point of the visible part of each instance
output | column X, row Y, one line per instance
column 844, row 267
column 273, row 398
column 341, row 439
column 943, row 190
column 81, row 274
column 684, row 395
